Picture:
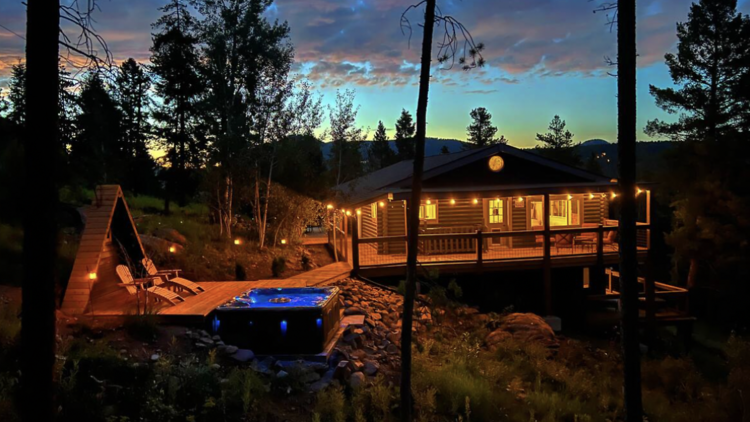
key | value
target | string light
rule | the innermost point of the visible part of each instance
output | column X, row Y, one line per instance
column 92, row 276
column 639, row 191
column 237, row 241
column 329, row 206
column 428, row 202
column 453, row 202
column 381, row 203
column 570, row 197
column 614, row 195
column 475, row 201
column 359, row 211
column 172, row 249
column 283, row 241
column 591, row 196
column 348, row 213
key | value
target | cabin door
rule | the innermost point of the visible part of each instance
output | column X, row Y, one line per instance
column 497, row 218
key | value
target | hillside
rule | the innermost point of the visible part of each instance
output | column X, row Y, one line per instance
column 433, row 146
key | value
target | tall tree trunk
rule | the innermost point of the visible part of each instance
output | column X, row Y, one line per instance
column 40, row 204
column 413, row 213
column 626, row 139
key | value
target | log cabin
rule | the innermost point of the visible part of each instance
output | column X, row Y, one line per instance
column 495, row 208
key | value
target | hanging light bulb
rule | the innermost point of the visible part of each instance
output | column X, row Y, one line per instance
column 453, row 202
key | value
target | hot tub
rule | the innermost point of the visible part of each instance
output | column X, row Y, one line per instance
column 299, row 320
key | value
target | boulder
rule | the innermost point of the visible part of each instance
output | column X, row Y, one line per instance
column 524, row 328
column 371, row 367
column 243, row 355
column 354, row 310
column 357, row 380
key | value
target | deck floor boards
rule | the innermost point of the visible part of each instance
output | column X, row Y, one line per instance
column 196, row 307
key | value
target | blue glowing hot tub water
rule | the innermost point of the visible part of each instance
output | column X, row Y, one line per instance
column 279, row 320
column 292, row 297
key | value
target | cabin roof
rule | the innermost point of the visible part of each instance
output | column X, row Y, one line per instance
column 396, row 178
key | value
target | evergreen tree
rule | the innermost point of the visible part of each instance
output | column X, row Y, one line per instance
column 710, row 67
column 481, row 132
column 380, row 152
column 444, row 150
column 558, row 143
column 17, row 94
column 96, row 152
column 405, row 129
column 131, row 92
column 592, row 163
column 176, row 65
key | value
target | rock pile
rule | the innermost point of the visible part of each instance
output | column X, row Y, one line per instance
column 524, row 328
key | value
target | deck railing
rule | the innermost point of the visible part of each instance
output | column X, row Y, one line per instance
column 495, row 246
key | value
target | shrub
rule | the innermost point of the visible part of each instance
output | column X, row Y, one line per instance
column 244, row 390
column 330, row 405
column 278, row 266
column 142, row 327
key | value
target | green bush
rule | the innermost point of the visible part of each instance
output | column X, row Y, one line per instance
column 278, row 266
column 330, row 405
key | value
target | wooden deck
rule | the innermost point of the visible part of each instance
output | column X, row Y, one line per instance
column 197, row 307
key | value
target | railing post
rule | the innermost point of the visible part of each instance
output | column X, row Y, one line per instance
column 355, row 248
column 547, row 261
column 480, row 247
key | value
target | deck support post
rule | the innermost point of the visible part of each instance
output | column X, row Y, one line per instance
column 355, row 248
column 650, row 290
column 597, row 287
column 547, row 261
column 480, row 247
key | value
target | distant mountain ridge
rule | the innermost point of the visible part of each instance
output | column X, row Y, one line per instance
column 433, row 146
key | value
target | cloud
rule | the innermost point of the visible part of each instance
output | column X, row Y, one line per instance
column 481, row 91
column 360, row 42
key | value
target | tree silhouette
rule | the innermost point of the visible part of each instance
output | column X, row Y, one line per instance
column 405, row 129
column 469, row 56
column 176, row 65
column 345, row 137
column 481, row 132
column 380, row 152
column 709, row 69
column 626, row 142
column 557, row 143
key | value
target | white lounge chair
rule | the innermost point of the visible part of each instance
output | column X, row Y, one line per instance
column 171, row 276
column 134, row 285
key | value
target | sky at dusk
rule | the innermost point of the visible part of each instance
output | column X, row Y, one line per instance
column 544, row 57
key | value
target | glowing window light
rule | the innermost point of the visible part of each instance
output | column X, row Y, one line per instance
column 284, row 326
column 453, row 202
column 92, row 276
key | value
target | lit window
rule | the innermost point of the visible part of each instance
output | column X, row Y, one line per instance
column 374, row 210
column 495, row 211
column 428, row 212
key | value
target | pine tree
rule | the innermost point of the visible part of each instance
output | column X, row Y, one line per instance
column 558, row 144
column 710, row 67
column 176, row 65
column 405, row 129
column 97, row 152
column 481, row 132
column 132, row 86
column 17, row 94
column 380, row 152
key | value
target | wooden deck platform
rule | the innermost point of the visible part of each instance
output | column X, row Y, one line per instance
column 197, row 307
